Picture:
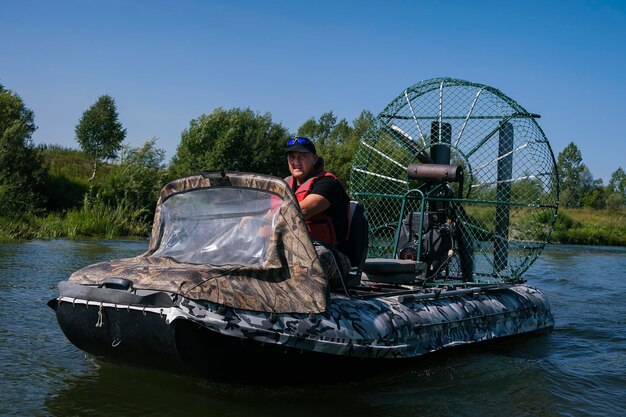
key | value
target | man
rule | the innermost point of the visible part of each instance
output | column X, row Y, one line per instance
column 323, row 201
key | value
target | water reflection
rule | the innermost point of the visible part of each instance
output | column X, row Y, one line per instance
column 441, row 384
column 127, row 391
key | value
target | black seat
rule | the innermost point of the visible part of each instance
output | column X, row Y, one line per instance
column 356, row 247
column 391, row 271
column 389, row 266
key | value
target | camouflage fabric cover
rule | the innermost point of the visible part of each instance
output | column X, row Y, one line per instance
column 336, row 264
column 288, row 278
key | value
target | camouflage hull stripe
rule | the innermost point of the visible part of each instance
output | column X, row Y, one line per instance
column 384, row 327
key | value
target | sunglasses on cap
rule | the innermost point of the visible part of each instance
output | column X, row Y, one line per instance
column 301, row 141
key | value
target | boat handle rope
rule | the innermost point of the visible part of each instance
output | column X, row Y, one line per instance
column 100, row 316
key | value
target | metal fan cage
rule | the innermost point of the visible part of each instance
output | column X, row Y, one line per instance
column 509, row 199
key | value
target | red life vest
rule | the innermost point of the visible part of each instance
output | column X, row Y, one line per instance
column 321, row 226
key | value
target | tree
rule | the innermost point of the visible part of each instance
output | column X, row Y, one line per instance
column 617, row 189
column 21, row 168
column 595, row 198
column 572, row 173
column 99, row 132
column 527, row 189
column 336, row 141
column 135, row 182
column 593, row 192
column 617, row 183
column 236, row 139
column 319, row 130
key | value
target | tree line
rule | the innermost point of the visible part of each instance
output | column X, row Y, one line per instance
column 69, row 191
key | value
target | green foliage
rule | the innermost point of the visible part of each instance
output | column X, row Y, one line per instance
column 573, row 176
column 120, row 203
column 13, row 228
column 120, row 200
column 135, row 182
column 563, row 222
column 67, row 162
column 236, row 139
column 527, row 190
column 99, row 132
column 594, row 198
column 95, row 219
column 597, row 196
column 64, row 193
column 614, row 201
column 483, row 216
column 590, row 227
column 617, row 189
column 617, row 183
column 66, row 183
column 336, row 141
column 21, row 170
column 483, row 193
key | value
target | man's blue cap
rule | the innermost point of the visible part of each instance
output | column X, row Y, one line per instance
column 301, row 144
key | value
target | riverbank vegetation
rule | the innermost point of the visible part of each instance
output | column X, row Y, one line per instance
column 586, row 226
column 108, row 189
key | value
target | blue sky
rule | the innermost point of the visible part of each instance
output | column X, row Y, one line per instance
column 168, row 62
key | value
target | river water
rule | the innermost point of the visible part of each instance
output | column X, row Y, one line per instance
column 578, row 370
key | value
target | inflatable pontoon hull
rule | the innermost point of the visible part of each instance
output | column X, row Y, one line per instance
column 167, row 331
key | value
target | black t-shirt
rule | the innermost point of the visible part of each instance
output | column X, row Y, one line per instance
column 332, row 190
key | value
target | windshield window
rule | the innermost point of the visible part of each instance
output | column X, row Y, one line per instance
column 218, row 226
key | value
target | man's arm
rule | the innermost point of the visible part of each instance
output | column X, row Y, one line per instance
column 313, row 204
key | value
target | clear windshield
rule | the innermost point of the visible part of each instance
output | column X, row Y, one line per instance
column 218, row 226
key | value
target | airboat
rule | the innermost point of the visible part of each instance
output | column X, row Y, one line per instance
column 455, row 195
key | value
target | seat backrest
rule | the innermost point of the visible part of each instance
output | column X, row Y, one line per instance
column 356, row 247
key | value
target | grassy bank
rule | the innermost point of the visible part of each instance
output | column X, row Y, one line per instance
column 92, row 221
column 590, row 227
column 573, row 226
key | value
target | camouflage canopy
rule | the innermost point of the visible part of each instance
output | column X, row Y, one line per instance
column 231, row 238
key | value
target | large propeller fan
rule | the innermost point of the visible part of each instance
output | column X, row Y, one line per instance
column 458, row 166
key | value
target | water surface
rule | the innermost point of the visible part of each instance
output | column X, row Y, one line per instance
column 578, row 370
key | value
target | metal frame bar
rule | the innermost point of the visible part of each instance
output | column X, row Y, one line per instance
column 397, row 235
column 469, row 113
column 381, row 176
column 385, row 156
column 519, row 148
column 419, row 129
column 525, row 177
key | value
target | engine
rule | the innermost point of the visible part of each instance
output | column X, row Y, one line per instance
column 436, row 238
